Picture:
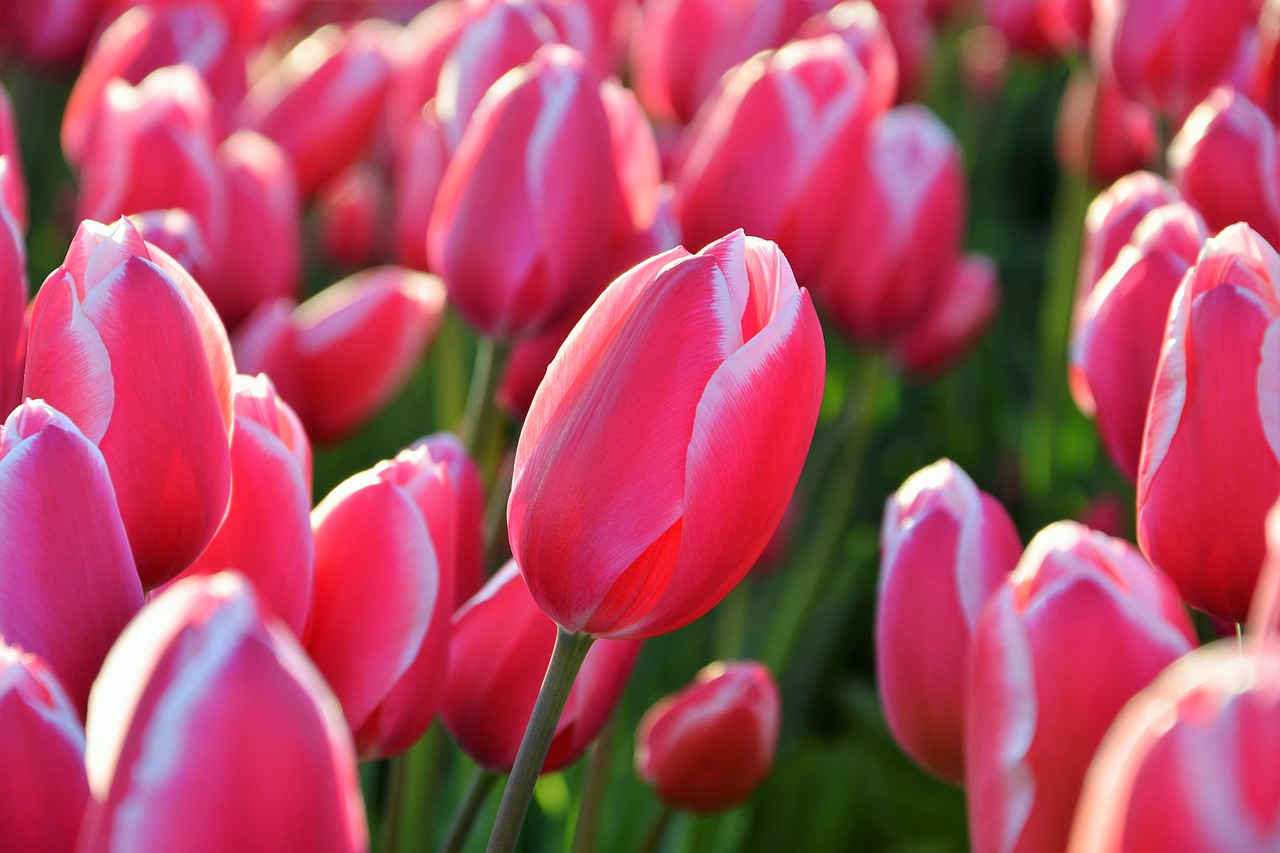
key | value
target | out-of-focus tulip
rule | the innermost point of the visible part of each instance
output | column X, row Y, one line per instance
column 1226, row 161
column 49, row 32
column 210, row 730
column 262, row 256
column 1102, row 133
column 1170, row 54
column 969, row 299
column 1081, row 626
column 420, row 158
column 347, row 72
column 379, row 627
column 417, row 54
column 266, row 535
column 13, row 188
column 1029, row 25
column 901, row 232
column 44, row 787
column 708, row 747
column 498, row 654
column 944, row 547
column 126, row 344
column 13, row 298
column 69, row 584
column 517, row 226
column 863, row 28
column 350, row 209
column 176, row 233
column 526, row 366
column 777, row 152
column 984, row 63
column 685, row 511
column 468, row 493
column 1116, row 345
column 339, row 357
column 913, row 42
column 1210, row 465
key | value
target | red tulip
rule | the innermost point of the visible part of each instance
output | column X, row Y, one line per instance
column 944, row 548
column 127, row 346
column 1081, row 625
column 210, row 730
column 961, row 312
column 49, row 32
column 469, row 501
column 1115, row 349
column 1102, row 133
column 43, row 787
column 349, row 208
column 708, row 747
column 1031, row 26
column 685, row 510
column 339, row 357
column 499, row 651
column 516, row 230
column 379, row 628
column 13, row 189
column 1210, row 465
column 13, row 297
column 864, row 29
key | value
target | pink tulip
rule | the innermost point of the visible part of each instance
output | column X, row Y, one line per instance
column 379, row 628
column 708, row 747
column 1226, row 161
column 526, row 367
column 1170, row 54
column 13, row 188
column 52, row 33
column 420, row 159
column 43, row 787
column 341, row 356
column 1115, row 348
column 13, row 297
column 1210, row 465
column 961, row 312
column 349, row 208
column 913, row 42
column 864, row 29
column 499, row 651
column 127, row 346
column 1102, row 133
column 210, row 730
column 469, row 501
column 176, row 233
column 685, row 510
column 417, row 54
column 1031, row 26
column 322, row 101
column 1081, row 625
column 944, row 548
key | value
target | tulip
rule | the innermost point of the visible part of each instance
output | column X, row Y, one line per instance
column 749, row 363
column 966, row 305
column 421, row 156
column 708, row 747
column 176, row 233
column 864, row 29
column 13, row 297
column 349, row 209
column 69, row 585
column 126, row 345
column 1225, row 161
column 1029, row 25
column 516, row 229
column 913, row 43
column 469, row 501
column 945, row 547
column 1081, row 625
column 379, row 627
column 13, row 189
column 417, row 54
column 210, row 730
column 1101, row 132
column 1115, row 349
column 499, row 651
column 1210, row 465
column 341, row 356
column 49, row 32
column 44, row 787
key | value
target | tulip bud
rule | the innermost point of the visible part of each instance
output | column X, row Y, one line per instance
column 708, row 747
column 13, row 189
column 417, row 55
column 469, row 501
column 863, row 28
column 13, row 297
column 1115, row 349
column 341, row 356
column 49, row 32
column 1102, row 133
column 527, row 366
column 749, row 363
column 176, row 233
column 966, row 305
column 160, row 414
column 498, row 654
column 43, row 787
column 913, row 42
column 1081, row 625
column 421, row 157
column 944, row 546
column 209, row 729
column 349, row 208
column 1210, row 465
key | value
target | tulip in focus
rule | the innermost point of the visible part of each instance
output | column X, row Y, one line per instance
column 1081, row 625
column 469, row 501
column 708, row 747
column 945, row 547
column 210, row 730
column 498, row 653
column 1210, row 465
column 702, row 466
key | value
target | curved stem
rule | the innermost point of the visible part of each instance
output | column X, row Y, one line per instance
column 485, row 375
column 653, row 836
column 473, row 798
column 593, row 790
column 566, row 660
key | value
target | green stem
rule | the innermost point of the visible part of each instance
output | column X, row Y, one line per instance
column 412, row 791
column 731, row 624
column 485, row 375
column 653, row 837
column 473, row 798
column 585, row 831
column 566, row 660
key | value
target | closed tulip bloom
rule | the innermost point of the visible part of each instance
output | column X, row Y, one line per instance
column 1101, row 132
column 516, row 229
column 498, row 654
column 417, row 54
column 69, row 585
column 1226, row 161
column 1210, row 465
column 210, row 730
column 176, row 233
column 44, row 787
column 1115, row 349
column 13, row 298
column 702, row 465
column 349, row 208
column 945, row 547
column 420, row 157
column 161, row 414
column 51, row 33
column 447, row 449
column 863, row 28
column 708, row 747
column 969, row 299
column 1081, row 626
